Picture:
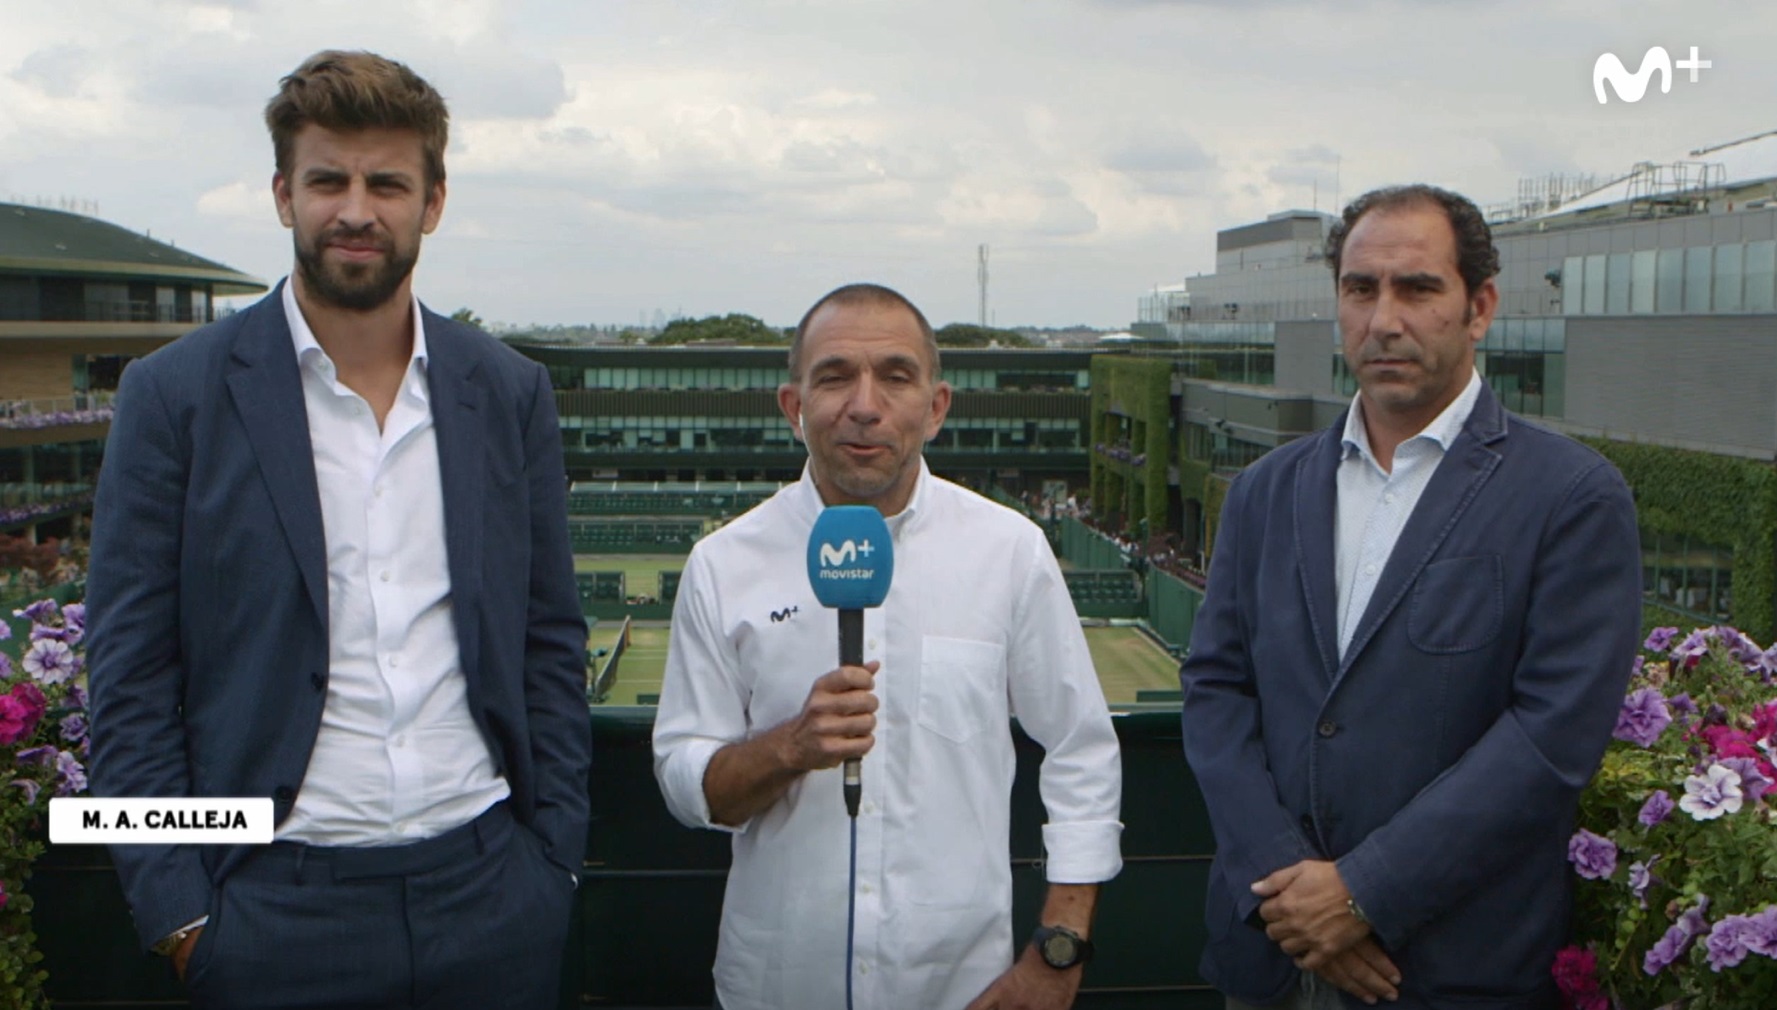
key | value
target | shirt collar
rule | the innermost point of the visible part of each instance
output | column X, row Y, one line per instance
column 308, row 349
column 1442, row 430
column 808, row 497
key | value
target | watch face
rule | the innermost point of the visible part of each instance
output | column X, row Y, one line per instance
column 1059, row 950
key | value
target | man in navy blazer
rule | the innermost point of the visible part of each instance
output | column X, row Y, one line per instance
column 1417, row 633
column 330, row 567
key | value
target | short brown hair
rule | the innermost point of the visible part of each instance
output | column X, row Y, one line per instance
column 863, row 294
column 355, row 91
column 1476, row 257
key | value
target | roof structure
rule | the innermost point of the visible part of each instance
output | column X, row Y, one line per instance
column 1736, row 165
column 43, row 241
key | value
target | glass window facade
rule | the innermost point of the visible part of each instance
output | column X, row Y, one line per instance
column 1734, row 277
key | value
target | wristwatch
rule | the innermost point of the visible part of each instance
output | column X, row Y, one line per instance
column 1061, row 947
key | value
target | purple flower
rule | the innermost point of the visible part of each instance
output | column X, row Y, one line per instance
column 1766, row 665
column 49, row 661
column 1761, row 932
column 1712, row 794
column 5, row 631
column 74, row 728
column 1682, row 703
column 5, row 662
column 74, row 621
column 1694, row 645
column 1593, row 856
column 77, row 697
column 1660, row 640
column 1666, row 950
column 44, row 755
column 1728, row 942
column 1752, row 781
column 1640, row 878
column 41, row 612
column 30, row 787
column 1678, row 937
column 70, row 775
column 1642, row 718
column 1656, row 809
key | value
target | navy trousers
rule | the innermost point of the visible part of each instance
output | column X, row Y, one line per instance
column 475, row 918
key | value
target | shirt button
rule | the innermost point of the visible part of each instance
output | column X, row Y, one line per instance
column 385, row 575
column 1368, row 570
column 377, row 490
column 1387, row 499
column 873, row 645
column 394, row 660
column 1328, row 728
column 401, row 741
column 863, row 969
column 863, row 888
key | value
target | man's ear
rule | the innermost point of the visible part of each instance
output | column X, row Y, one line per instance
column 789, row 401
column 280, row 194
column 434, row 208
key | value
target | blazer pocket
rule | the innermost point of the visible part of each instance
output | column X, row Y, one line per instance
column 1458, row 605
column 962, row 686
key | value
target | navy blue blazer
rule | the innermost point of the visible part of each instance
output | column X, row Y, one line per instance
column 207, row 596
column 1440, row 761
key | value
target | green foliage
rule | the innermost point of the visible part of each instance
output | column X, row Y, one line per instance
column 1731, row 859
column 733, row 328
column 1132, row 400
column 1718, row 499
column 971, row 335
column 1215, row 492
column 467, row 315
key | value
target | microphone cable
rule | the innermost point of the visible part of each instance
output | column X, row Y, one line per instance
column 851, row 908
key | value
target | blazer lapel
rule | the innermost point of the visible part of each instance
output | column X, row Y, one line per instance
column 1459, row 477
column 267, row 389
column 1316, row 493
column 457, row 396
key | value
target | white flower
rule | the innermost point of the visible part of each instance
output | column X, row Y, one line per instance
column 49, row 661
column 1711, row 794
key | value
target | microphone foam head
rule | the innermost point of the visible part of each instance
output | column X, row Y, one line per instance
column 851, row 557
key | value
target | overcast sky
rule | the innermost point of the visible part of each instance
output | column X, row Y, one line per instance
column 614, row 158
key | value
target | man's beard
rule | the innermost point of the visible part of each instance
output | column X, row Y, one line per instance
column 356, row 287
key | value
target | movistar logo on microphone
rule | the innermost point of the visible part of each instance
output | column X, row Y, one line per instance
column 846, row 553
column 851, row 557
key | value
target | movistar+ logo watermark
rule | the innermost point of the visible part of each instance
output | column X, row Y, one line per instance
column 1631, row 86
column 845, row 554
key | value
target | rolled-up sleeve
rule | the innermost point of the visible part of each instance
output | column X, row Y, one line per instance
column 1057, row 699
column 702, row 700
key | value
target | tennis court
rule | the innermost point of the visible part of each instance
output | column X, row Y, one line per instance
column 1127, row 662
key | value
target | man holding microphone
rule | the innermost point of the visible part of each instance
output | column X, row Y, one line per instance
column 976, row 628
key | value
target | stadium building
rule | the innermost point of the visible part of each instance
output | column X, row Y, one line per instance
column 78, row 298
column 1639, row 315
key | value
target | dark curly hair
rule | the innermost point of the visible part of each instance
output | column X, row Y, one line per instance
column 1476, row 257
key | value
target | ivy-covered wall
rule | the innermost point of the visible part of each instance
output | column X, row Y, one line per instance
column 1132, row 396
column 1719, row 499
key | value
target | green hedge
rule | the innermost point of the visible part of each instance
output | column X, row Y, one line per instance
column 1719, row 499
column 1141, row 390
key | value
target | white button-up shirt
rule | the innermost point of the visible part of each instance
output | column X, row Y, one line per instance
column 977, row 627
column 1373, row 503
column 398, row 757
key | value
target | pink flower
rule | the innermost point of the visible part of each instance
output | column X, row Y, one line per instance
column 1730, row 743
column 1576, row 972
column 19, row 711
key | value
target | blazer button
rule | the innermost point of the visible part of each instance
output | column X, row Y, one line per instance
column 283, row 794
column 319, row 681
column 1329, row 728
column 1308, row 825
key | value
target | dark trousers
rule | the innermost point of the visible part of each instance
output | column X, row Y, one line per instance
column 473, row 919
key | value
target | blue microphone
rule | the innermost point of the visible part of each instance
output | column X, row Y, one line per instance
column 851, row 561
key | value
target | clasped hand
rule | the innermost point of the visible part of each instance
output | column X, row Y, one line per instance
column 1307, row 911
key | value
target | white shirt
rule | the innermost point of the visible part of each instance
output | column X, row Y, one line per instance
column 1373, row 503
column 977, row 627
column 398, row 757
